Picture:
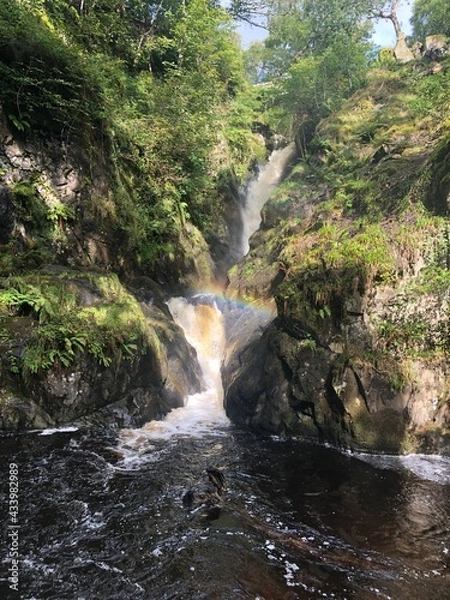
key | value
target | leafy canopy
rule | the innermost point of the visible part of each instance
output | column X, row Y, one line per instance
column 315, row 56
column 431, row 17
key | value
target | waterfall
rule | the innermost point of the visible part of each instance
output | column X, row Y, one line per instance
column 259, row 191
column 203, row 326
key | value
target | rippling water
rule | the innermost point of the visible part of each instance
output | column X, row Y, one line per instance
column 100, row 519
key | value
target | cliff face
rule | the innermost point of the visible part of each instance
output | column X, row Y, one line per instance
column 354, row 251
column 75, row 343
column 76, row 346
column 61, row 204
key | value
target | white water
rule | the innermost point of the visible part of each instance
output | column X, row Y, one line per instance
column 259, row 191
column 203, row 326
column 427, row 467
column 203, row 412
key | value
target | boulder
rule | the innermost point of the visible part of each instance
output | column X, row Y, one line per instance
column 436, row 46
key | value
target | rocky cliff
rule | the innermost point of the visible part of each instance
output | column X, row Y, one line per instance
column 76, row 343
column 354, row 251
column 77, row 346
column 61, row 203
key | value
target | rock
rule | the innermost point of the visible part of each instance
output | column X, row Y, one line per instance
column 402, row 52
column 6, row 215
column 436, row 47
column 417, row 49
column 158, row 374
column 181, row 373
column 207, row 496
column 261, row 391
column 17, row 414
column 297, row 381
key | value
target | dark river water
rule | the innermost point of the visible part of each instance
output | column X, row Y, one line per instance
column 101, row 517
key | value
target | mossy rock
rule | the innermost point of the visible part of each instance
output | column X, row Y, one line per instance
column 384, row 431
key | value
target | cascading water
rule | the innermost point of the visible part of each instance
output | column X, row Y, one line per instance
column 203, row 322
column 203, row 326
column 259, row 191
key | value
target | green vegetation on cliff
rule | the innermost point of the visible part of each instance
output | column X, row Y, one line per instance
column 355, row 247
column 155, row 97
column 64, row 314
column 380, row 165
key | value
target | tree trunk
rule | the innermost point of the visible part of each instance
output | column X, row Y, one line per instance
column 401, row 51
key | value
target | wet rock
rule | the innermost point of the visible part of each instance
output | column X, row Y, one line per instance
column 22, row 413
column 291, row 381
column 6, row 215
column 207, row 495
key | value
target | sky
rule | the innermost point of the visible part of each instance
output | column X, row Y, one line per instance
column 384, row 34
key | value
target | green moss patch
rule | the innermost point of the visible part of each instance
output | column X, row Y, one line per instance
column 64, row 314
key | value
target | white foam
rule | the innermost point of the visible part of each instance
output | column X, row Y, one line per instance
column 259, row 190
column 54, row 430
column 428, row 467
column 203, row 412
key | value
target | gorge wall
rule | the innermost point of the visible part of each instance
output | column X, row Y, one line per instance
column 61, row 204
column 77, row 343
column 354, row 251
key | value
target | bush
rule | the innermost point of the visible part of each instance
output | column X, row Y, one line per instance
column 45, row 85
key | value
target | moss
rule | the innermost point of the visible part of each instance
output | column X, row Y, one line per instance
column 384, row 431
column 30, row 207
column 327, row 270
column 66, row 314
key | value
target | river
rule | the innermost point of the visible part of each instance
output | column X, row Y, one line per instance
column 101, row 512
column 298, row 520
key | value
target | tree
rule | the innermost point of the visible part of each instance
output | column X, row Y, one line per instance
column 430, row 17
column 338, row 15
column 389, row 11
column 315, row 55
column 254, row 12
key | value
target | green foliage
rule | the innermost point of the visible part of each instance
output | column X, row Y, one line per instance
column 44, row 83
column 382, row 139
column 431, row 95
column 339, row 262
column 315, row 56
column 156, row 94
column 43, row 227
column 27, row 300
column 111, row 329
column 430, row 17
column 29, row 206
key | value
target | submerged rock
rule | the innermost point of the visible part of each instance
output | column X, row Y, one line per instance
column 207, row 495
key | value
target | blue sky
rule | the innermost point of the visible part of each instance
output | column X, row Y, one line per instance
column 384, row 34
column 384, row 31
